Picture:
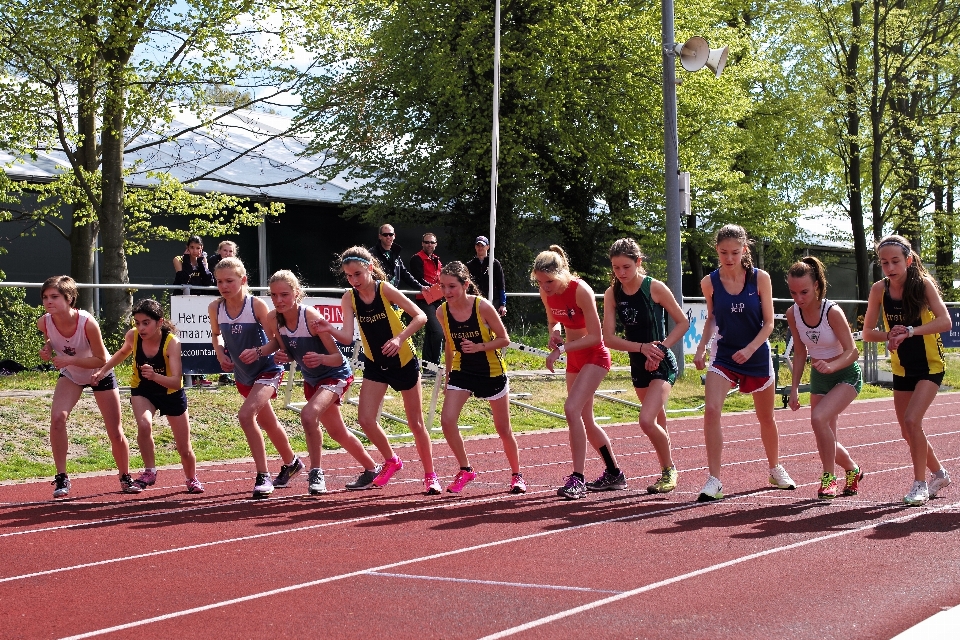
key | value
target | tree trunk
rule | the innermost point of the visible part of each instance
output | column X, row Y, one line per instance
column 83, row 240
column 116, row 302
column 855, row 167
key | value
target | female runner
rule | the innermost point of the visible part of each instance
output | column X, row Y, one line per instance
column 326, row 375
column 474, row 335
column 75, row 346
column 639, row 302
column 570, row 304
column 740, row 309
column 914, row 316
column 236, row 322
column 388, row 359
column 156, row 388
column 820, row 330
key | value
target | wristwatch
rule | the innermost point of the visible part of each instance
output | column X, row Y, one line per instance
column 561, row 348
column 910, row 331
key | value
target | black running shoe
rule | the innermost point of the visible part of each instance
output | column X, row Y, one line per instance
column 288, row 472
column 608, row 482
column 62, row 485
column 365, row 481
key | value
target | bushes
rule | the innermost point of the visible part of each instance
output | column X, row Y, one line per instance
column 19, row 339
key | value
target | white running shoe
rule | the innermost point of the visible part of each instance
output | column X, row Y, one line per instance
column 713, row 490
column 781, row 479
column 918, row 494
column 938, row 484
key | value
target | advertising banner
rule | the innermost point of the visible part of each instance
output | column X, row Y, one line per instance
column 189, row 314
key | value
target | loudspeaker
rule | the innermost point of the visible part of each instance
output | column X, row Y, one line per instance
column 717, row 60
column 693, row 53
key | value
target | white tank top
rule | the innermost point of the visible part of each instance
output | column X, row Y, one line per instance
column 76, row 345
column 821, row 342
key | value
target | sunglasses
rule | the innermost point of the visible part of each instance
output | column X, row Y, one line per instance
column 388, row 235
column 429, row 241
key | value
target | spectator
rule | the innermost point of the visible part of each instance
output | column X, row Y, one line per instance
column 226, row 249
column 478, row 268
column 425, row 266
column 387, row 253
column 191, row 267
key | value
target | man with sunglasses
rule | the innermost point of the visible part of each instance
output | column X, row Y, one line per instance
column 425, row 266
column 387, row 252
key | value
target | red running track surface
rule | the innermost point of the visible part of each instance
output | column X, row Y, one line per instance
column 391, row 562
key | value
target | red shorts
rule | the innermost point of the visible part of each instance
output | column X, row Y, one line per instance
column 338, row 386
column 598, row 355
column 267, row 380
column 747, row 384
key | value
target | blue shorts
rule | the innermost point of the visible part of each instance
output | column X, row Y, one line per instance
column 106, row 383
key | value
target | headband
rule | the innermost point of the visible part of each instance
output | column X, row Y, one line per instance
column 895, row 243
column 354, row 258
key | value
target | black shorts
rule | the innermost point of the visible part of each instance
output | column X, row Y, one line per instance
column 483, row 387
column 667, row 370
column 166, row 404
column 402, row 379
column 106, row 383
column 909, row 383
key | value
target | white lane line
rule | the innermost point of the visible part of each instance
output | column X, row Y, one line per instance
column 699, row 572
column 495, row 583
column 392, row 565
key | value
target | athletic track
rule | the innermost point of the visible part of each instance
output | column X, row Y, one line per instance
column 396, row 564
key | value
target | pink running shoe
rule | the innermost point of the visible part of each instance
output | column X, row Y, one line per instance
column 432, row 484
column 390, row 467
column 146, row 479
column 461, row 480
column 194, row 486
column 517, row 484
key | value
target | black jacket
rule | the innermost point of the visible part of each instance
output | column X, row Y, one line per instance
column 480, row 277
column 393, row 266
column 198, row 276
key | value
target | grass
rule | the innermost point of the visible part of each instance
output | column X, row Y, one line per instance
column 25, row 414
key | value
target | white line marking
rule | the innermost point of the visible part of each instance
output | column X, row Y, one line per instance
column 699, row 572
column 496, row 583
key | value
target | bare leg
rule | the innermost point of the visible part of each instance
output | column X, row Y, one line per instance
column 413, row 408
column 715, row 393
column 332, row 421
column 501, row 421
column 109, row 404
column 653, row 400
column 252, row 406
column 911, row 406
column 310, row 415
column 763, row 403
column 180, row 425
column 825, row 409
column 453, row 402
column 65, row 397
column 371, row 397
column 578, row 409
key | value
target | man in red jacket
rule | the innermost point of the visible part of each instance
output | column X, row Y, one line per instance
column 425, row 266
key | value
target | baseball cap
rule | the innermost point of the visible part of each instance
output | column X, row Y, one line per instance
column 482, row 240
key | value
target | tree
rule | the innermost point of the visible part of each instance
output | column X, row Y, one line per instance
column 101, row 79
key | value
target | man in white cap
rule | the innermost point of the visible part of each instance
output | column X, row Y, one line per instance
column 479, row 273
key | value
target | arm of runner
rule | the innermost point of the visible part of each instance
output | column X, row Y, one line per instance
column 124, row 352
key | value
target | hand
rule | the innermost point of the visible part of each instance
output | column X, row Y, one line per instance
column 553, row 357
column 225, row 363
column 313, row 359
column 322, row 325
column 794, row 399
column 471, row 347
column 896, row 336
column 46, row 353
column 823, row 366
column 147, row 372
column 61, row 361
column 97, row 375
column 391, row 347
column 656, row 353
column 555, row 340
column 700, row 361
column 281, row 357
column 743, row 355
column 502, row 310
column 249, row 356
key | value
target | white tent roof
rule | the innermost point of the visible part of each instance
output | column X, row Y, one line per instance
column 244, row 154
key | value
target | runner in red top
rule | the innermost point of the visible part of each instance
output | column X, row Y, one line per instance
column 570, row 304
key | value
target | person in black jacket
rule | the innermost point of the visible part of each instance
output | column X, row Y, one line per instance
column 191, row 267
column 478, row 267
column 425, row 266
column 387, row 252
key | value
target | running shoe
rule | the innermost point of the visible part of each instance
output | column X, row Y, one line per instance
column 146, row 479
column 918, row 494
column 938, row 484
column 517, row 484
column 263, row 486
column 828, row 486
column 61, row 485
column 854, row 476
column 389, row 468
column 128, row 485
column 316, row 483
column 461, row 480
column 666, row 483
column 573, row 488
column 431, row 485
column 194, row 486
column 713, row 490
column 781, row 479
column 365, row 480
column 288, row 472
column 608, row 482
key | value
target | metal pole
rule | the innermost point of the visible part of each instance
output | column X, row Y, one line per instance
column 495, row 148
column 262, row 253
column 671, row 164
column 96, row 275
